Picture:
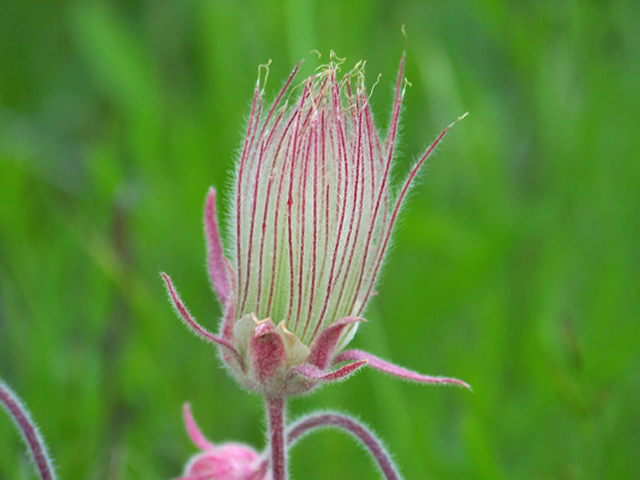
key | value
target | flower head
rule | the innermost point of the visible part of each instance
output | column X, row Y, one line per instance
column 312, row 219
column 229, row 461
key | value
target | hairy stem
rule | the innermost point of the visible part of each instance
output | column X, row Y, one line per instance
column 275, row 413
column 355, row 428
column 27, row 428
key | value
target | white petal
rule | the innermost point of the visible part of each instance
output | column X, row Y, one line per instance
column 296, row 351
column 243, row 331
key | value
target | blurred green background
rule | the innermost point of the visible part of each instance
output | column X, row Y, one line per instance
column 515, row 267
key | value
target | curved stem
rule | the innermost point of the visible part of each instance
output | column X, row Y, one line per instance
column 275, row 414
column 27, row 428
column 355, row 428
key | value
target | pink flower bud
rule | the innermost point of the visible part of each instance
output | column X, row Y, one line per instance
column 229, row 461
column 313, row 216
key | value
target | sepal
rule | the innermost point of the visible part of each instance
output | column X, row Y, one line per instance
column 195, row 327
column 194, row 432
column 215, row 256
column 318, row 376
column 384, row 366
column 324, row 347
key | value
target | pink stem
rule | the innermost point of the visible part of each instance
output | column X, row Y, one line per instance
column 275, row 412
column 355, row 428
column 32, row 437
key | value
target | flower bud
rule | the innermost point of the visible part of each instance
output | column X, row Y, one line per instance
column 312, row 219
column 229, row 461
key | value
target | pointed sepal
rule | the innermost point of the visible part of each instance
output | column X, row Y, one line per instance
column 194, row 326
column 384, row 366
column 196, row 436
column 324, row 347
column 215, row 255
column 315, row 374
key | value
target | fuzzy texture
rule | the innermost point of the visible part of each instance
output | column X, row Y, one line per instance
column 387, row 367
column 277, row 447
column 311, row 205
column 229, row 461
column 313, row 217
column 361, row 432
column 235, row 461
column 29, row 431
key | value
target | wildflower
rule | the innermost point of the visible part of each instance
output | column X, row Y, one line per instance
column 313, row 216
column 230, row 461
column 236, row 461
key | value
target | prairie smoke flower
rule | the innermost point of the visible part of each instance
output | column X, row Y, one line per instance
column 313, row 216
column 229, row 461
column 236, row 461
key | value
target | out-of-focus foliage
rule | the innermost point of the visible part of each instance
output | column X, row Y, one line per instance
column 515, row 267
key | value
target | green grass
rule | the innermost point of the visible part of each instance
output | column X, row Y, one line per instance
column 515, row 266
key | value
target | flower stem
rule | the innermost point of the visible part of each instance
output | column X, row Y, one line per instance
column 275, row 413
column 303, row 426
column 28, row 430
